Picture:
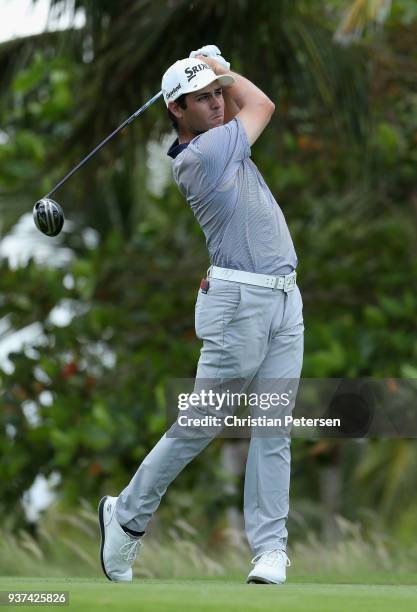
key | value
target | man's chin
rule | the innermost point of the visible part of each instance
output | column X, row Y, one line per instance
column 218, row 121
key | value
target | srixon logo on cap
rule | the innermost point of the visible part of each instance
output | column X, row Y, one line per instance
column 192, row 71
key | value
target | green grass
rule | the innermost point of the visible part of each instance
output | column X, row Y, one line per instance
column 176, row 571
column 157, row 595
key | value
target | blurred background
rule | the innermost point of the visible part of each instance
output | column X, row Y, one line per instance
column 95, row 322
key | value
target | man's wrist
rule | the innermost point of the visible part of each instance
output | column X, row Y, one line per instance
column 216, row 66
column 220, row 69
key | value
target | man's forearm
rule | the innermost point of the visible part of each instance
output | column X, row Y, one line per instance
column 243, row 92
column 231, row 109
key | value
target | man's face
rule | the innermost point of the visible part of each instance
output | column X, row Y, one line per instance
column 205, row 110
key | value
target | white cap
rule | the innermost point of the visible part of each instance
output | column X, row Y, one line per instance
column 190, row 74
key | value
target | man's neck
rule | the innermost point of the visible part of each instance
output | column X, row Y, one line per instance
column 186, row 137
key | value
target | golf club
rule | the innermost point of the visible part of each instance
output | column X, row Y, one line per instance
column 48, row 214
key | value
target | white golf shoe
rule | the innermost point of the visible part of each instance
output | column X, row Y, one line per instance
column 118, row 549
column 270, row 567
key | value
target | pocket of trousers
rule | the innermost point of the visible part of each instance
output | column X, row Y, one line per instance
column 216, row 309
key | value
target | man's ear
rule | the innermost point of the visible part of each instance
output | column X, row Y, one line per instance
column 175, row 109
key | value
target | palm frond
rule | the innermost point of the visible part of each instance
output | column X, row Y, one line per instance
column 361, row 14
column 17, row 53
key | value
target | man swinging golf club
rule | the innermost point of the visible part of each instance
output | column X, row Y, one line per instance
column 248, row 310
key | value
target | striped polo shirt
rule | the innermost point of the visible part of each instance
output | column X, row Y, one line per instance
column 243, row 224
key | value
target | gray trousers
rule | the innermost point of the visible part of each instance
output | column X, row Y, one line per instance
column 253, row 334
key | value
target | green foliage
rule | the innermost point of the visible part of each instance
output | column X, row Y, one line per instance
column 35, row 115
column 104, row 369
column 339, row 155
column 405, row 11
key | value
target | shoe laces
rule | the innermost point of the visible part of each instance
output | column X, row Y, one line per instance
column 271, row 557
column 129, row 550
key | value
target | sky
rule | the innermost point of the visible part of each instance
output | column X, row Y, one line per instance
column 23, row 17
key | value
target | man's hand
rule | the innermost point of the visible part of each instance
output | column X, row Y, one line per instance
column 214, row 64
column 243, row 99
column 211, row 51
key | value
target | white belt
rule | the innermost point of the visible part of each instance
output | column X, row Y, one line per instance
column 287, row 283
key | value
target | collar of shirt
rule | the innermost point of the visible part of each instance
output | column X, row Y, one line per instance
column 176, row 148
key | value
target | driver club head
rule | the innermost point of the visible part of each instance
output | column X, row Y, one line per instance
column 48, row 216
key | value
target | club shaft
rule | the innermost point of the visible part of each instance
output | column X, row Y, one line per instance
column 139, row 112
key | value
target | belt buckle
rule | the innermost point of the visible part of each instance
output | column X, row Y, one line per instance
column 290, row 281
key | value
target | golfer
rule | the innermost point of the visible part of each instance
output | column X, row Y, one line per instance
column 248, row 310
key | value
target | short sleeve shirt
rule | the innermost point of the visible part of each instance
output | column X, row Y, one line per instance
column 243, row 224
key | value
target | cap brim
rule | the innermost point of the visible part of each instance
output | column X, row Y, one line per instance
column 225, row 80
